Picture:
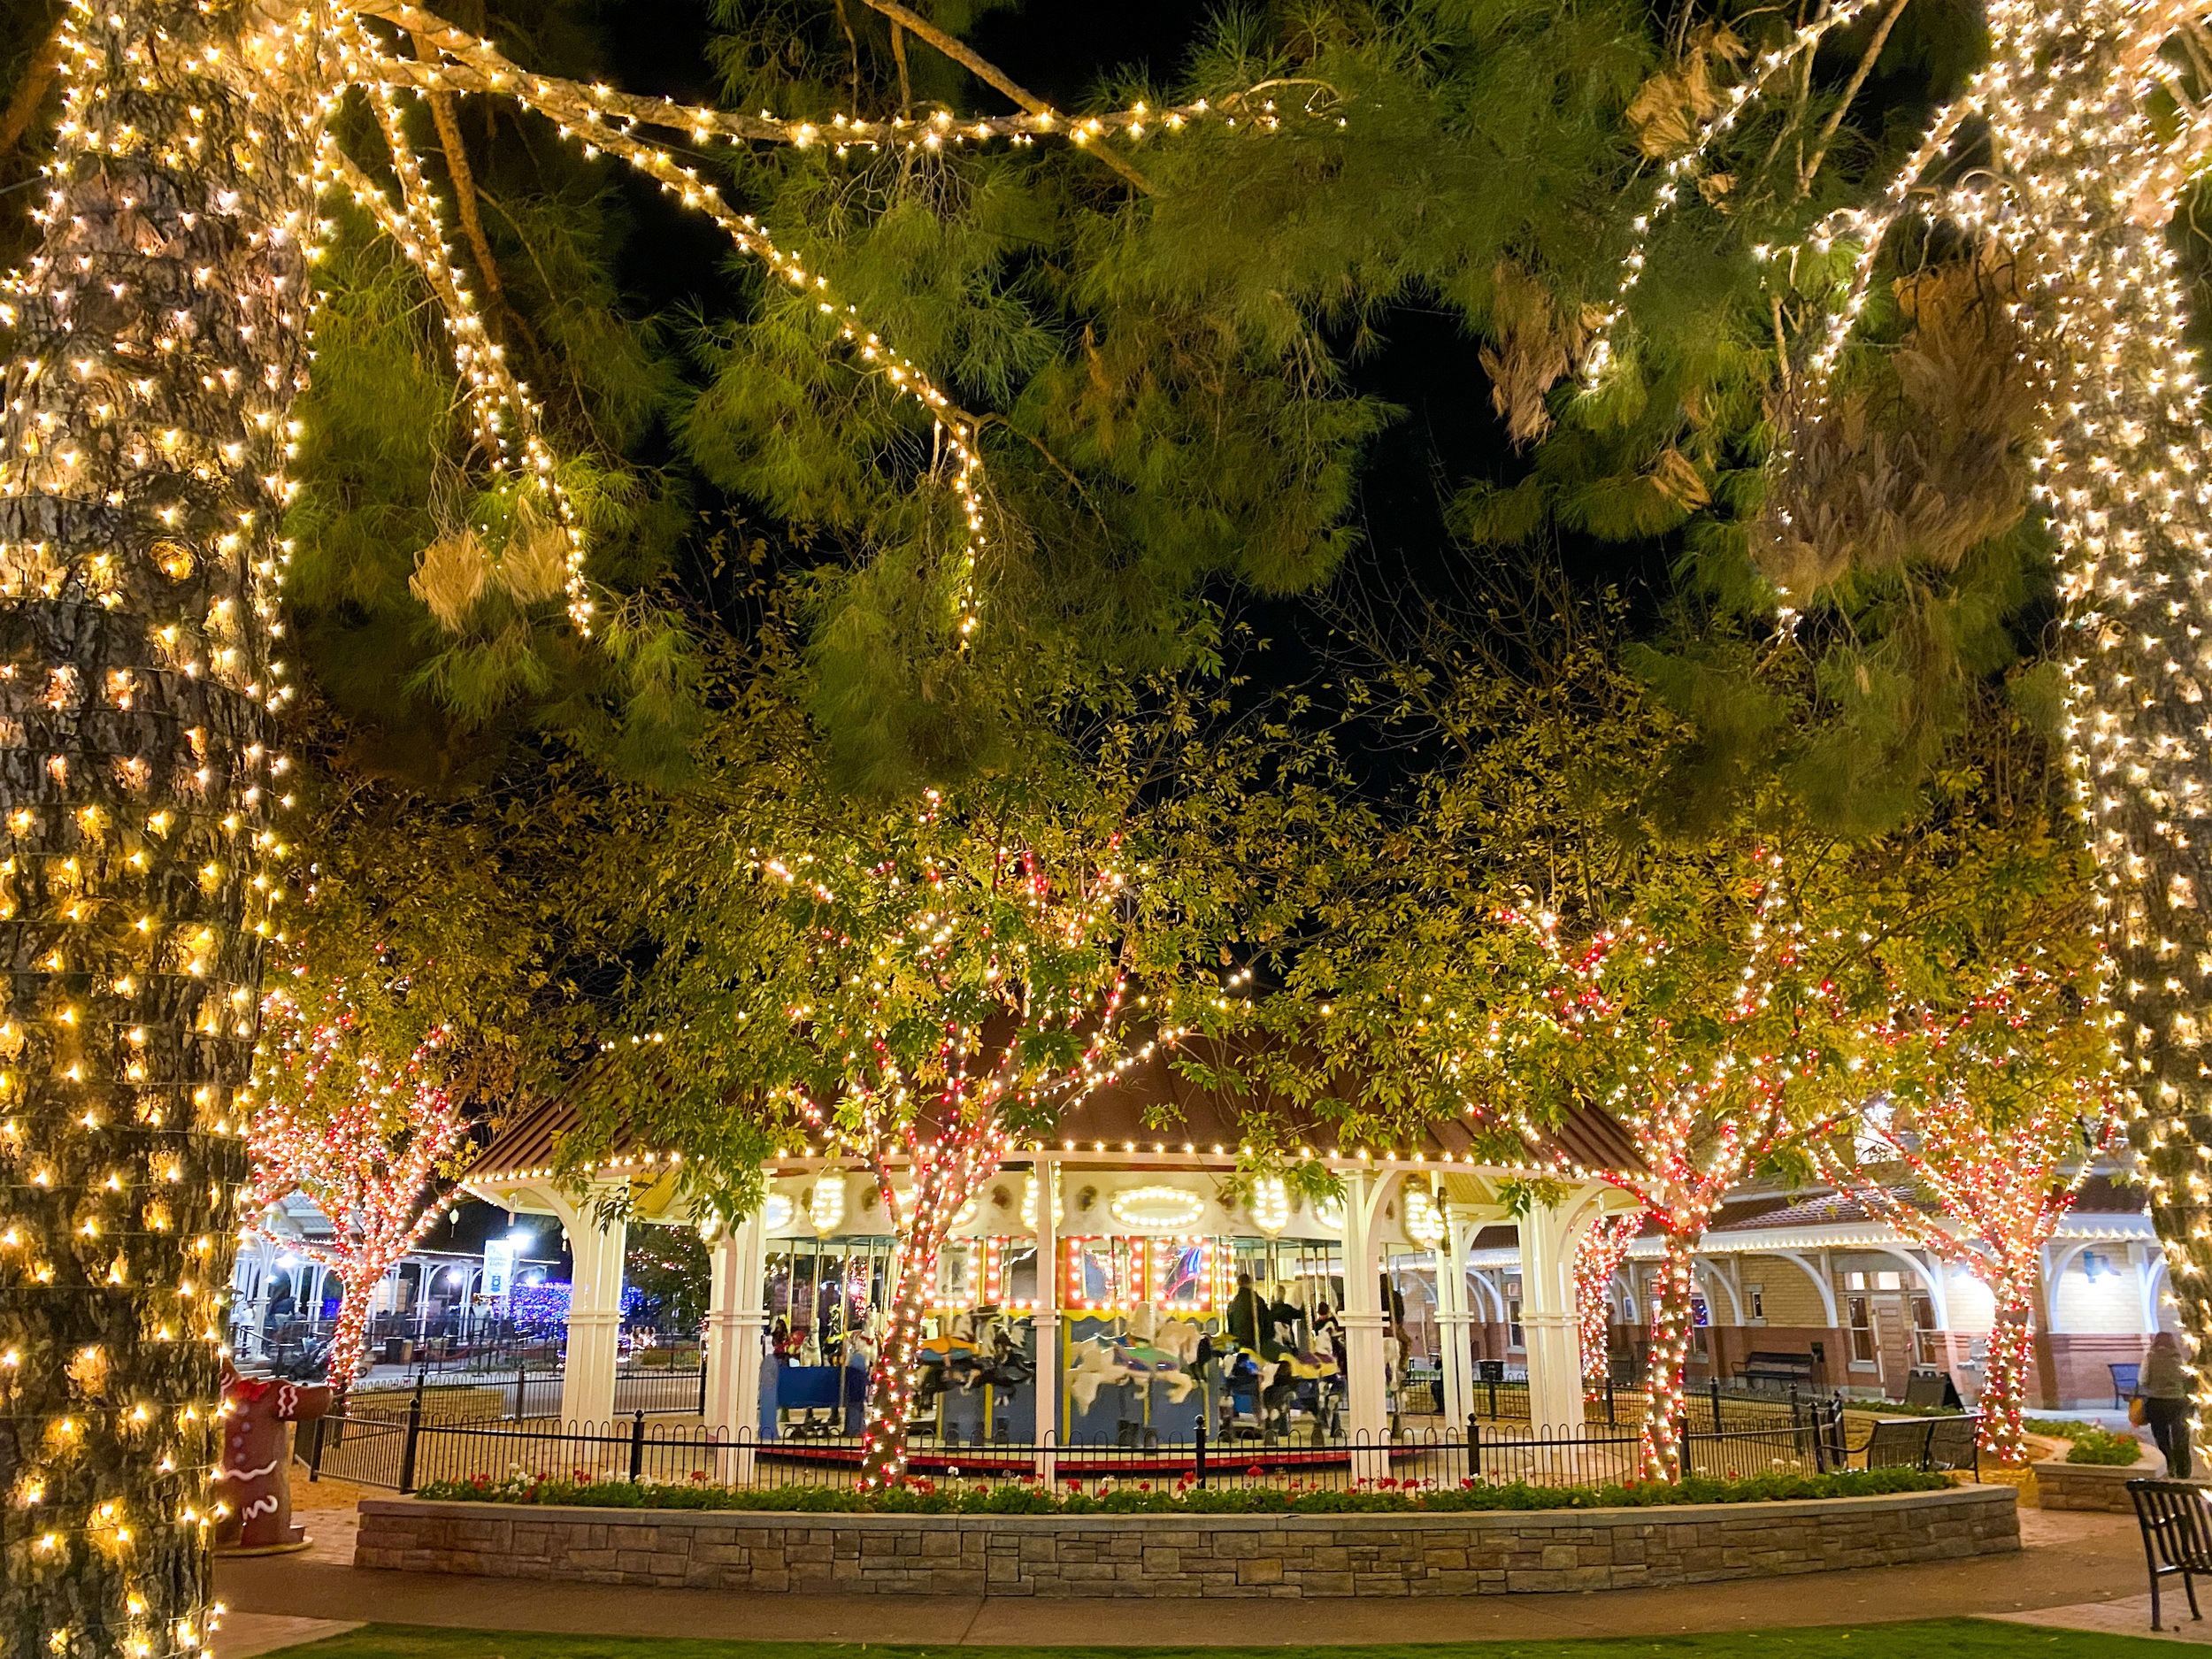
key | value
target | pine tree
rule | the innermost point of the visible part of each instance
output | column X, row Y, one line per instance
column 160, row 341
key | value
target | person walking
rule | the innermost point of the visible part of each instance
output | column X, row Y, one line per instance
column 2164, row 1392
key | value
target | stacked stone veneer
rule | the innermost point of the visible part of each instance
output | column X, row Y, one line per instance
column 1178, row 1556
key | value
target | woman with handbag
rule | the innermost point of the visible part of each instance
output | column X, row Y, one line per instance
column 2161, row 1403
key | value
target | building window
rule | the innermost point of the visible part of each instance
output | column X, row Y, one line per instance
column 1756, row 1298
column 1923, row 1332
column 1889, row 1281
column 1513, row 1337
column 1861, row 1331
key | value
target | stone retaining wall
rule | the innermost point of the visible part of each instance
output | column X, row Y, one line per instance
column 1483, row 1553
column 2059, row 1485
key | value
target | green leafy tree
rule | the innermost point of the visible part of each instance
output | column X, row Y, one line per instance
column 923, row 988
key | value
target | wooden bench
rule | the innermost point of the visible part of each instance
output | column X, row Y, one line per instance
column 1765, row 1370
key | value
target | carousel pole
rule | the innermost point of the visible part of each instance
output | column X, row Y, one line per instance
column 1044, row 1322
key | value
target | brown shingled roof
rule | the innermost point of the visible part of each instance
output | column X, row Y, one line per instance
column 1151, row 1103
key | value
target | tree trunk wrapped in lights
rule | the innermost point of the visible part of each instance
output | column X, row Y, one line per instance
column 1996, row 1113
column 1604, row 1247
column 328, row 1120
column 2085, row 132
column 158, row 338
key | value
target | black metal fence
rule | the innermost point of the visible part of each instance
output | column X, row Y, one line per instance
column 416, row 1446
column 525, row 1395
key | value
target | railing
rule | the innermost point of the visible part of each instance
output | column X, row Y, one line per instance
column 525, row 1395
column 415, row 1446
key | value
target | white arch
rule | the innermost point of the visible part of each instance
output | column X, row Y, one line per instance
column 2153, row 1274
column 1709, row 1272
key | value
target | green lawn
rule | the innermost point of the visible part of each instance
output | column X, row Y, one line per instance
column 1966, row 1637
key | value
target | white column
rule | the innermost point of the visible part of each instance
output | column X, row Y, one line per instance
column 594, row 1312
column 1046, row 1320
column 1550, row 1329
column 1366, row 1413
column 736, row 1314
column 1454, row 1318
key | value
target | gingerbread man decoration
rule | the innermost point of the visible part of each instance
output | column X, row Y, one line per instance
column 251, row 1479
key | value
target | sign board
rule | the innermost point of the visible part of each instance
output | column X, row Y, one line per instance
column 499, row 1268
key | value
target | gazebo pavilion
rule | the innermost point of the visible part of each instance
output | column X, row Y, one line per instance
column 1139, row 1206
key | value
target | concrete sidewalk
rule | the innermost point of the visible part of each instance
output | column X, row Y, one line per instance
column 2070, row 1561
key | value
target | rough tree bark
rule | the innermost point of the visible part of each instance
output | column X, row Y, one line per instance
column 158, row 341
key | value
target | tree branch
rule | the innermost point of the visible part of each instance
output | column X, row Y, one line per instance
column 476, row 65
column 1807, row 169
column 991, row 75
column 456, row 166
column 30, row 93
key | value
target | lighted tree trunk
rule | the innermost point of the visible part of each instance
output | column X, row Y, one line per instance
column 1599, row 1256
column 1671, row 1325
column 2004, row 1392
column 948, row 1173
column 159, row 339
column 349, row 1339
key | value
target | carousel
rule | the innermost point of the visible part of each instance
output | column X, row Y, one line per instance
column 1122, row 1285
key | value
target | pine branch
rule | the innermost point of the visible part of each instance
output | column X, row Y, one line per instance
column 984, row 70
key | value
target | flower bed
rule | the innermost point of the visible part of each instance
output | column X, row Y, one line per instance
column 2102, row 1446
column 1183, row 1497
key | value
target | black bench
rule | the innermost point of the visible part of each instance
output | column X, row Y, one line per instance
column 2176, row 1524
column 1933, row 1444
column 1931, row 1388
column 1765, row 1370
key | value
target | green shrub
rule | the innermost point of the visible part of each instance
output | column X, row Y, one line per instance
column 2058, row 1428
column 2101, row 1446
column 924, row 1496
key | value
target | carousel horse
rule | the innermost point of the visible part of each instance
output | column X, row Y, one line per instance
column 968, row 1358
column 1148, row 1327
column 1107, row 1360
